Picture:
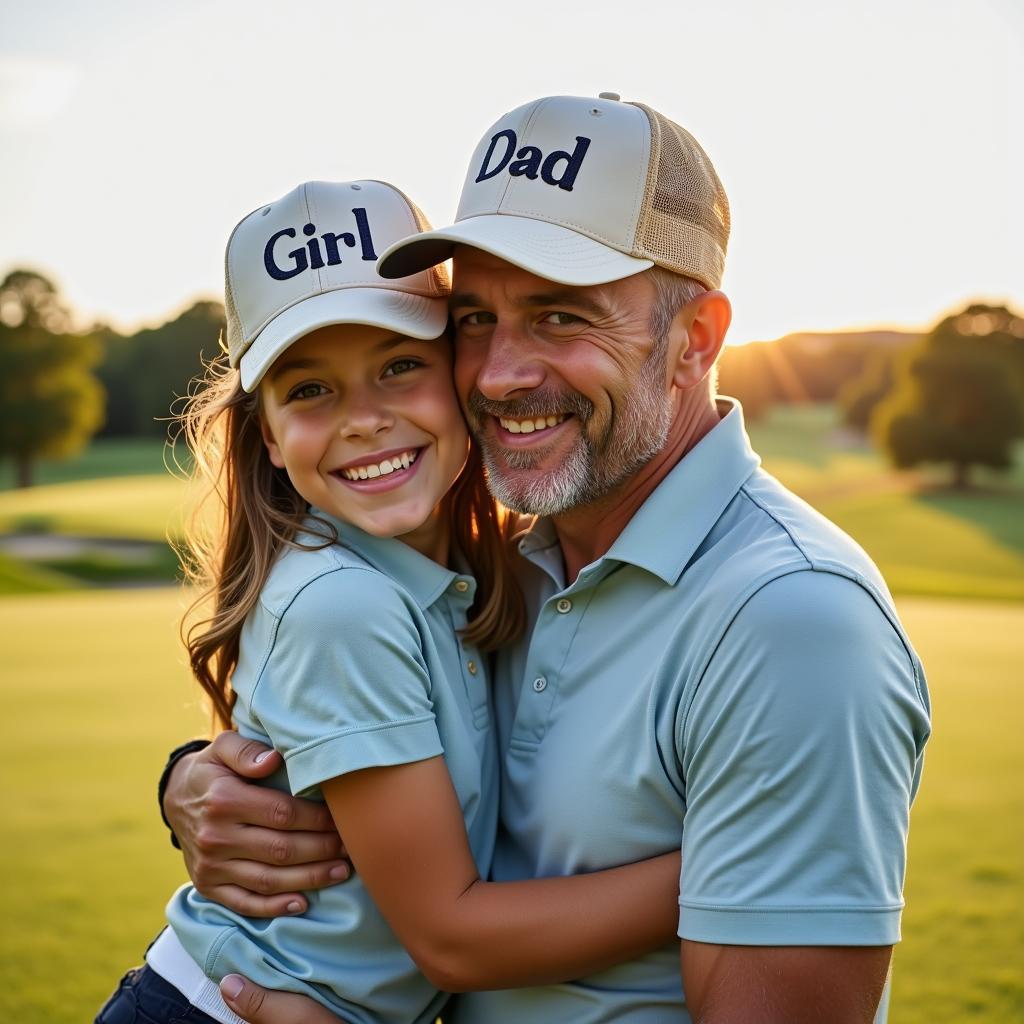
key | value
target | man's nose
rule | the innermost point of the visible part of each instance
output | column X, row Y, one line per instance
column 511, row 363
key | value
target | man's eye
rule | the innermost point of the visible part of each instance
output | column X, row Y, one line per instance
column 562, row 318
column 477, row 319
column 309, row 390
column 401, row 366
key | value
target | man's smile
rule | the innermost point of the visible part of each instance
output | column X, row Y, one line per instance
column 531, row 424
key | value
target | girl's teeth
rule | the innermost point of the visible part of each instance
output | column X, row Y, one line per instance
column 383, row 468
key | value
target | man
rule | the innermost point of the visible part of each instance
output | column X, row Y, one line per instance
column 711, row 662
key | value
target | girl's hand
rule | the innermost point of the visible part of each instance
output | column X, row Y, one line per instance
column 260, row 1005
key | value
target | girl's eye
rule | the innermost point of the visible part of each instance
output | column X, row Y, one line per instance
column 561, row 319
column 307, row 390
column 401, row 366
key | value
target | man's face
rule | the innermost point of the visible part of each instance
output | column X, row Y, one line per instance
column 563, row 387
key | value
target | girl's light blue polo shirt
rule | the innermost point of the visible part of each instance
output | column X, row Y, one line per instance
column 730, row 677
column 351, row 660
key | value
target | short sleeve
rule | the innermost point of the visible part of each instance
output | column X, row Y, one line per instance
column 802, row 750
column 345, row 685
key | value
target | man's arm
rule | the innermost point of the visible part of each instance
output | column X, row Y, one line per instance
column 251, row 848
column 801, row 749
column 783, row 984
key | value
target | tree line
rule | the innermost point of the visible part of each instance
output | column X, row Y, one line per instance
column 59, row 388
column 954, row 395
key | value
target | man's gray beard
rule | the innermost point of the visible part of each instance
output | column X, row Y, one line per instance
column 594, row 467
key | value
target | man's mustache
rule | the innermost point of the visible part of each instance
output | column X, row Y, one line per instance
column 547, row 402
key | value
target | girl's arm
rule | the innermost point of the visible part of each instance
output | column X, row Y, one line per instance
column 404, row 831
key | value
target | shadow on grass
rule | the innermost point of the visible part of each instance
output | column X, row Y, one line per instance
column 999, row 512
column 88, row 563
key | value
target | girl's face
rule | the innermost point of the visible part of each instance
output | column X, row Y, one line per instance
column 368, row 428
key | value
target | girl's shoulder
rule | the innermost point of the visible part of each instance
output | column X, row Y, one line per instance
column 333, row 577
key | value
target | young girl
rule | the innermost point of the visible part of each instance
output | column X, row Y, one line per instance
column 359, row 577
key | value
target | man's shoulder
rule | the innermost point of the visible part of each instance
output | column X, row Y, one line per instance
column 768, row 532
column 819, row 540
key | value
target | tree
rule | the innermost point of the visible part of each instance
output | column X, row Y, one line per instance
column 859, row 397
column 956, row 400
column 50, row 403
column 146, row 372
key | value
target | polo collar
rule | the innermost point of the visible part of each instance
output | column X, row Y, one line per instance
column 667, row 529
column 422, row 577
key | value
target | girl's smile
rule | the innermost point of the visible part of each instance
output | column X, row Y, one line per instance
column 381, row 473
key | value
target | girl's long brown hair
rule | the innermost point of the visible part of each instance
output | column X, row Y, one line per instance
column 247, row 512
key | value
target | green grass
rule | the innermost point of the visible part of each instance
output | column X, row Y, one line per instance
column 144, row 507
column 964, row 924
column 95, row 694
column 89, row 867
column 17, row 577
column 925, row 538
column 104, row 457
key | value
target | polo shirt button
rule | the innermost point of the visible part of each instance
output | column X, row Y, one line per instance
column 540, row 684
column 564, row 605
column 461, row 586
column 471, row 665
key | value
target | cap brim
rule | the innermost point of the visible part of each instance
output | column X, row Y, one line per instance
column 548, row 250
column 414, row 315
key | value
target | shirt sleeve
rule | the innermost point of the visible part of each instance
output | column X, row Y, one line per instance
column 802, row 750
column 345, row 685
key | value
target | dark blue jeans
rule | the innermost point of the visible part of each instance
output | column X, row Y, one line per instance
column 143, row 997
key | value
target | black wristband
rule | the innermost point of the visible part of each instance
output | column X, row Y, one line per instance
column 175, row 756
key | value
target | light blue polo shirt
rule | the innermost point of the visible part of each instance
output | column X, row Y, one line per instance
column 732, row 677
column 351, row 660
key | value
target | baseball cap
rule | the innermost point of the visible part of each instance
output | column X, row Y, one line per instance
column 584, row 191
column 309, row 259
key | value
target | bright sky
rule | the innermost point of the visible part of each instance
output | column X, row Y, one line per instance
column 866, row 148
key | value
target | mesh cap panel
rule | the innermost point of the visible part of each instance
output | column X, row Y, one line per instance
column 233, row 322
column 684, row 219
column 440, row 280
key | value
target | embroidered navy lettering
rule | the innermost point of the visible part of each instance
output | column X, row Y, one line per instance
column 316, row 261
column 365, row 241
column 331, row 245
column 572, row 164
column 510, row 138
column 529, row 163
column 299, row 255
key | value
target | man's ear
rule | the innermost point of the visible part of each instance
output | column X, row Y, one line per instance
column 273, row 449
column 704, row 322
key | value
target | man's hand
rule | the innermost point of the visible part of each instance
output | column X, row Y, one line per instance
column 260, row 1005
column 783, row 984
column 248, row 847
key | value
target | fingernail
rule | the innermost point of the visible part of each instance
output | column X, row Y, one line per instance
column 295, row 907
column 260, row 758
column 231, row 985
column 338, row 873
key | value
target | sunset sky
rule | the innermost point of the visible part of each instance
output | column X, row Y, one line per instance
column 873, row 152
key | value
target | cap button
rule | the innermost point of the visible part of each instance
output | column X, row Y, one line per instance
column 608, row 96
